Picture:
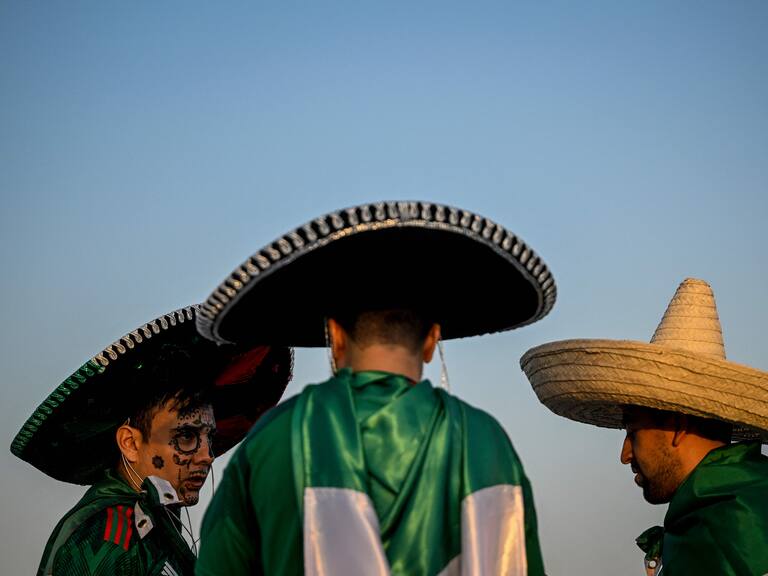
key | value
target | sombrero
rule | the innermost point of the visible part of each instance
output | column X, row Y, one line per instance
column 71, row 435
column 683, row 369
column 468, row 273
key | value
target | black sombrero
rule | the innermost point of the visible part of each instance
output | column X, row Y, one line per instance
column 71, row 435
column 468, row 273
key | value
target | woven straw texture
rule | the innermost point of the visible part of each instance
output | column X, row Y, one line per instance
column 683, row 369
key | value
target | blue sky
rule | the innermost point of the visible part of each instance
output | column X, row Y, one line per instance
column 146, row 149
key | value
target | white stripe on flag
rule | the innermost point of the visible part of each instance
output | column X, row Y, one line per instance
column 493, row 532
column 341, row 534
column 453, row 568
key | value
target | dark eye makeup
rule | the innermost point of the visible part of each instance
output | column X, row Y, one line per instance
column 187, row 439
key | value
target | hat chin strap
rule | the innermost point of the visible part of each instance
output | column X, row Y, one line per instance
column 133, row 476
column 444, row 383
column 328, row 347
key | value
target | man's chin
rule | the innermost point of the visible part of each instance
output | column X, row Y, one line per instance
column 189, row 493
column 654, row 497
column 190, row 499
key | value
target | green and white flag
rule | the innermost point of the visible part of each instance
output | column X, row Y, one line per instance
column 396, row 478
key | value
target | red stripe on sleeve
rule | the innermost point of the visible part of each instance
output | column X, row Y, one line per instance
column 119, row 524
column 108, row 529
column 128, row 528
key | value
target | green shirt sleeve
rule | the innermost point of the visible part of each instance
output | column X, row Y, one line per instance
column 253, row 525
column 230, row 535
column 488, row 442
column 532, row 546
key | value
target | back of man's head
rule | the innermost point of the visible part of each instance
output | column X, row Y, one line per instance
column 393, row 327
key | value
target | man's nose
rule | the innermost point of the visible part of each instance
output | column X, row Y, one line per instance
column 626, row 451
column 205, row 453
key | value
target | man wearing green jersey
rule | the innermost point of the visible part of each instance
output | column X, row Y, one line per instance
column 375, row 471
column 138, row 423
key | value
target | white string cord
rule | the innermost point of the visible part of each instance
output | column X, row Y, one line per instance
column 444, row 384
column 328, row 347
column 174, row 519
column 191, row 532
column 133, row 476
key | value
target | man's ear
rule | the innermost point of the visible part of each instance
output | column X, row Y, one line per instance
column 681, row 428
column 129, row 440
column 338, row 342
column 430, row 343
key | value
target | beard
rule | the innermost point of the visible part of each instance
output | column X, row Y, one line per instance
column 660, row 478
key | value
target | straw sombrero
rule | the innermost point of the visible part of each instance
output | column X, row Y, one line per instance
column 468, row 273
column 71, row 435
column 683, row 369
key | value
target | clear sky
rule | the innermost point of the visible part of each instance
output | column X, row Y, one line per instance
column 147, row 148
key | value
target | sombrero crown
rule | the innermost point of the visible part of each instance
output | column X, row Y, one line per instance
column 71, row 435
column 464, row 271
column 683, row 369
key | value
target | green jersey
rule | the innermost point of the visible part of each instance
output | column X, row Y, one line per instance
column 115, row 531
column 369, row 473
column 717, row 521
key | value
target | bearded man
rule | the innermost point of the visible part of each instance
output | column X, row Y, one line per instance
column 681, row 404
column 375, row 471
column 138, row 422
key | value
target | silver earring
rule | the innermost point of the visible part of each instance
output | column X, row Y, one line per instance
column 444, row 384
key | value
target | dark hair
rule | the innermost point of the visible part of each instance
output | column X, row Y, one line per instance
column 399, row 326
column 715, row 430
column 172, row 377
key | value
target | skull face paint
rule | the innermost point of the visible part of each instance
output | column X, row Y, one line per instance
column 179, row 449
column 188, row 437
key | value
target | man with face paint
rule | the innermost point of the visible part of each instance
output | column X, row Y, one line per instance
column 176, row 446
column 694, row 426
column 138, row 422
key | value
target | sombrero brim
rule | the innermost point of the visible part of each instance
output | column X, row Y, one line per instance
column 592, row 380
column 466, row 272
column 71, row 435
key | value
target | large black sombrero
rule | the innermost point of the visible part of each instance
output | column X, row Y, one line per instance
column 466, row 272
column 71, row 435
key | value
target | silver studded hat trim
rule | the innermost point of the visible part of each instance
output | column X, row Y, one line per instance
column 80, row 414
column 95, row 366
column 370, row 217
